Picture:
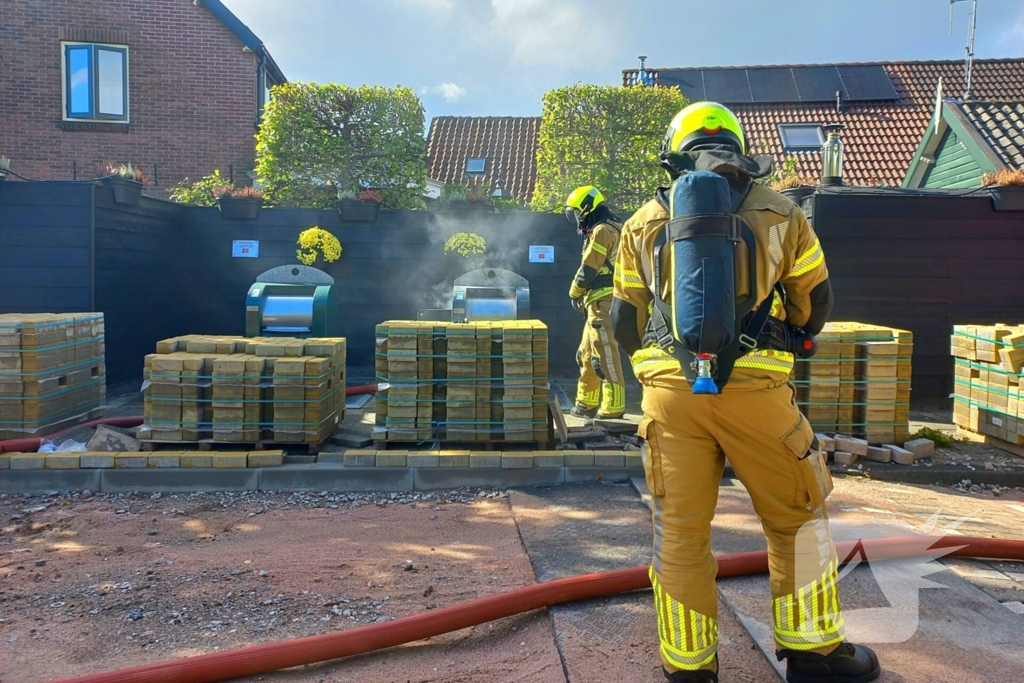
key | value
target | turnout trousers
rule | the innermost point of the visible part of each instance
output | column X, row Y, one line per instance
column 601, row 384
column 773, row 451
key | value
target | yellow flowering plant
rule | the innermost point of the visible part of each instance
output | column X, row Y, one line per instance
column 316, row 242
column 465, row 244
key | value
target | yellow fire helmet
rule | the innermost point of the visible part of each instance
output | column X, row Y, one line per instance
column 584, row 200
column 703, row 123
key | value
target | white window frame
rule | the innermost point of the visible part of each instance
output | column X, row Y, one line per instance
column 95, row 116
column 482, row 171
column 784, row 127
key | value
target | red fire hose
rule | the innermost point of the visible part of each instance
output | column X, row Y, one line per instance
column 259, row 659
column 31, row 445
column 359, row 391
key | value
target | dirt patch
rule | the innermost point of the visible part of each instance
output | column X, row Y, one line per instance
column 116, row 581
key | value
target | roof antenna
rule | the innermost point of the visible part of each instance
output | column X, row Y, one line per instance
column 970, row 44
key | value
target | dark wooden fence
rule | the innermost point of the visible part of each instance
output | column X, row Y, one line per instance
column 919, row 261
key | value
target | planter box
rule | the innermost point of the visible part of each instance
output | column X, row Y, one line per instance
column 240, row 208
column 1007, row 197
column 357, row 211
column 125, row 191
column 798, row 194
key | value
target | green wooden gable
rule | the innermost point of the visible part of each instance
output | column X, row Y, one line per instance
column 953, row 153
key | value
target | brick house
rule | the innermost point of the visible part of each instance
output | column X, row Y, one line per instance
column 175, row 87
column 886, row 107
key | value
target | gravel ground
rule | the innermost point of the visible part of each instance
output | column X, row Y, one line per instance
column 94, row 583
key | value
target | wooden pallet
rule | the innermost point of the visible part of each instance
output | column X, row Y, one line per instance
column 44, row 431
column 992, row 441
column 211, row 445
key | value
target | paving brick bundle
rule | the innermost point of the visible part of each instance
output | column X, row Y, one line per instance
column 989, row 380
column 231, row 389
column 52, row 371
column 462, row 382
column 859, row 382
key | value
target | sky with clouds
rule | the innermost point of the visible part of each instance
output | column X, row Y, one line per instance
column 498, row 57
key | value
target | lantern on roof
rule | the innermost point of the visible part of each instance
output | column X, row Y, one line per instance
column 832, row 156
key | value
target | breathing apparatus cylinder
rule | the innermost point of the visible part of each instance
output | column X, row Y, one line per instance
column 701, row 236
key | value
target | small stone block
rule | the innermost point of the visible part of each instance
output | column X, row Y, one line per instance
column 921, row 448
column 609, row 459
column 131, row 461
column 826, row 443
column 28, row 461
column 165, row 460
column 901, row 456
column 96, row 461
column 61, row 462
column 516, row 461
column 485, row 459
column 392, row 459
column 876, row 454
column 5, row 461
column 849, row 444
column 335, row 458
column 579, row 458
column 549, row 459
column 844, row 458
column 227, row 460
column 358, row 458
column 454, row 459
column 266, row 458
column 423, row 460
column 197, row 460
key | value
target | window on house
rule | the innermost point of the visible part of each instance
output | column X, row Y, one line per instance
column 95, row 82
column 802, row 137
column 476, row 165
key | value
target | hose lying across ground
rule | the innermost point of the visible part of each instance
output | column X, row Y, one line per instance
column 259, row 659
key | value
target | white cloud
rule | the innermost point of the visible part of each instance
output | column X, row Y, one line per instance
column 449, row 92
column 551, row 32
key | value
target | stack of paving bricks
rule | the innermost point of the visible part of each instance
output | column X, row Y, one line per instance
column 52, row 371
column 100, row 460
column 858, row 383
column 471, row 382
column 229, row 389
column 989, row 380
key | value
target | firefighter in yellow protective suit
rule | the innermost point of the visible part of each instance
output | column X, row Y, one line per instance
column 752, row 419
column 601, row 391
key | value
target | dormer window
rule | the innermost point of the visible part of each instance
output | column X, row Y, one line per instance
column 476, row 166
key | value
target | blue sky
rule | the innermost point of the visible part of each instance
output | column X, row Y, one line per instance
column 498, row 57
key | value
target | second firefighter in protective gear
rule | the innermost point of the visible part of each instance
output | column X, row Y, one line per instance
column 601, row 391
column 736, row 402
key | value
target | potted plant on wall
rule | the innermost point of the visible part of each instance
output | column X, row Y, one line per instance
column 315, row 242
column 125, row 180
column 239, row 203
column 460, row 200
column 5, row 167
column 359, row 208
column 1006, row 188
column 468, row 245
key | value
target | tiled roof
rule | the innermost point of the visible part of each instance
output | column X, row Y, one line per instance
column 508, row 144
column 1001, row 125
column 881, row 138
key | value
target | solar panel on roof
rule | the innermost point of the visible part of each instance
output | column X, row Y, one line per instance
column 869, row 82
column 772, row 85
column 689, row 81
column 728, row 86
column 818, row 83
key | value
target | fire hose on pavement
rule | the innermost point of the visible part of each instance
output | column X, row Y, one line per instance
column 260, row 659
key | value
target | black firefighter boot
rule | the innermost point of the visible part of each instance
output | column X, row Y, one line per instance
column 848, row 663
column 580, row 410
column 704, row 675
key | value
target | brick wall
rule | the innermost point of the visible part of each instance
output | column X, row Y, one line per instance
column 192, row 90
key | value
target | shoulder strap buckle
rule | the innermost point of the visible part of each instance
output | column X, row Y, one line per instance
column 747, row 342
